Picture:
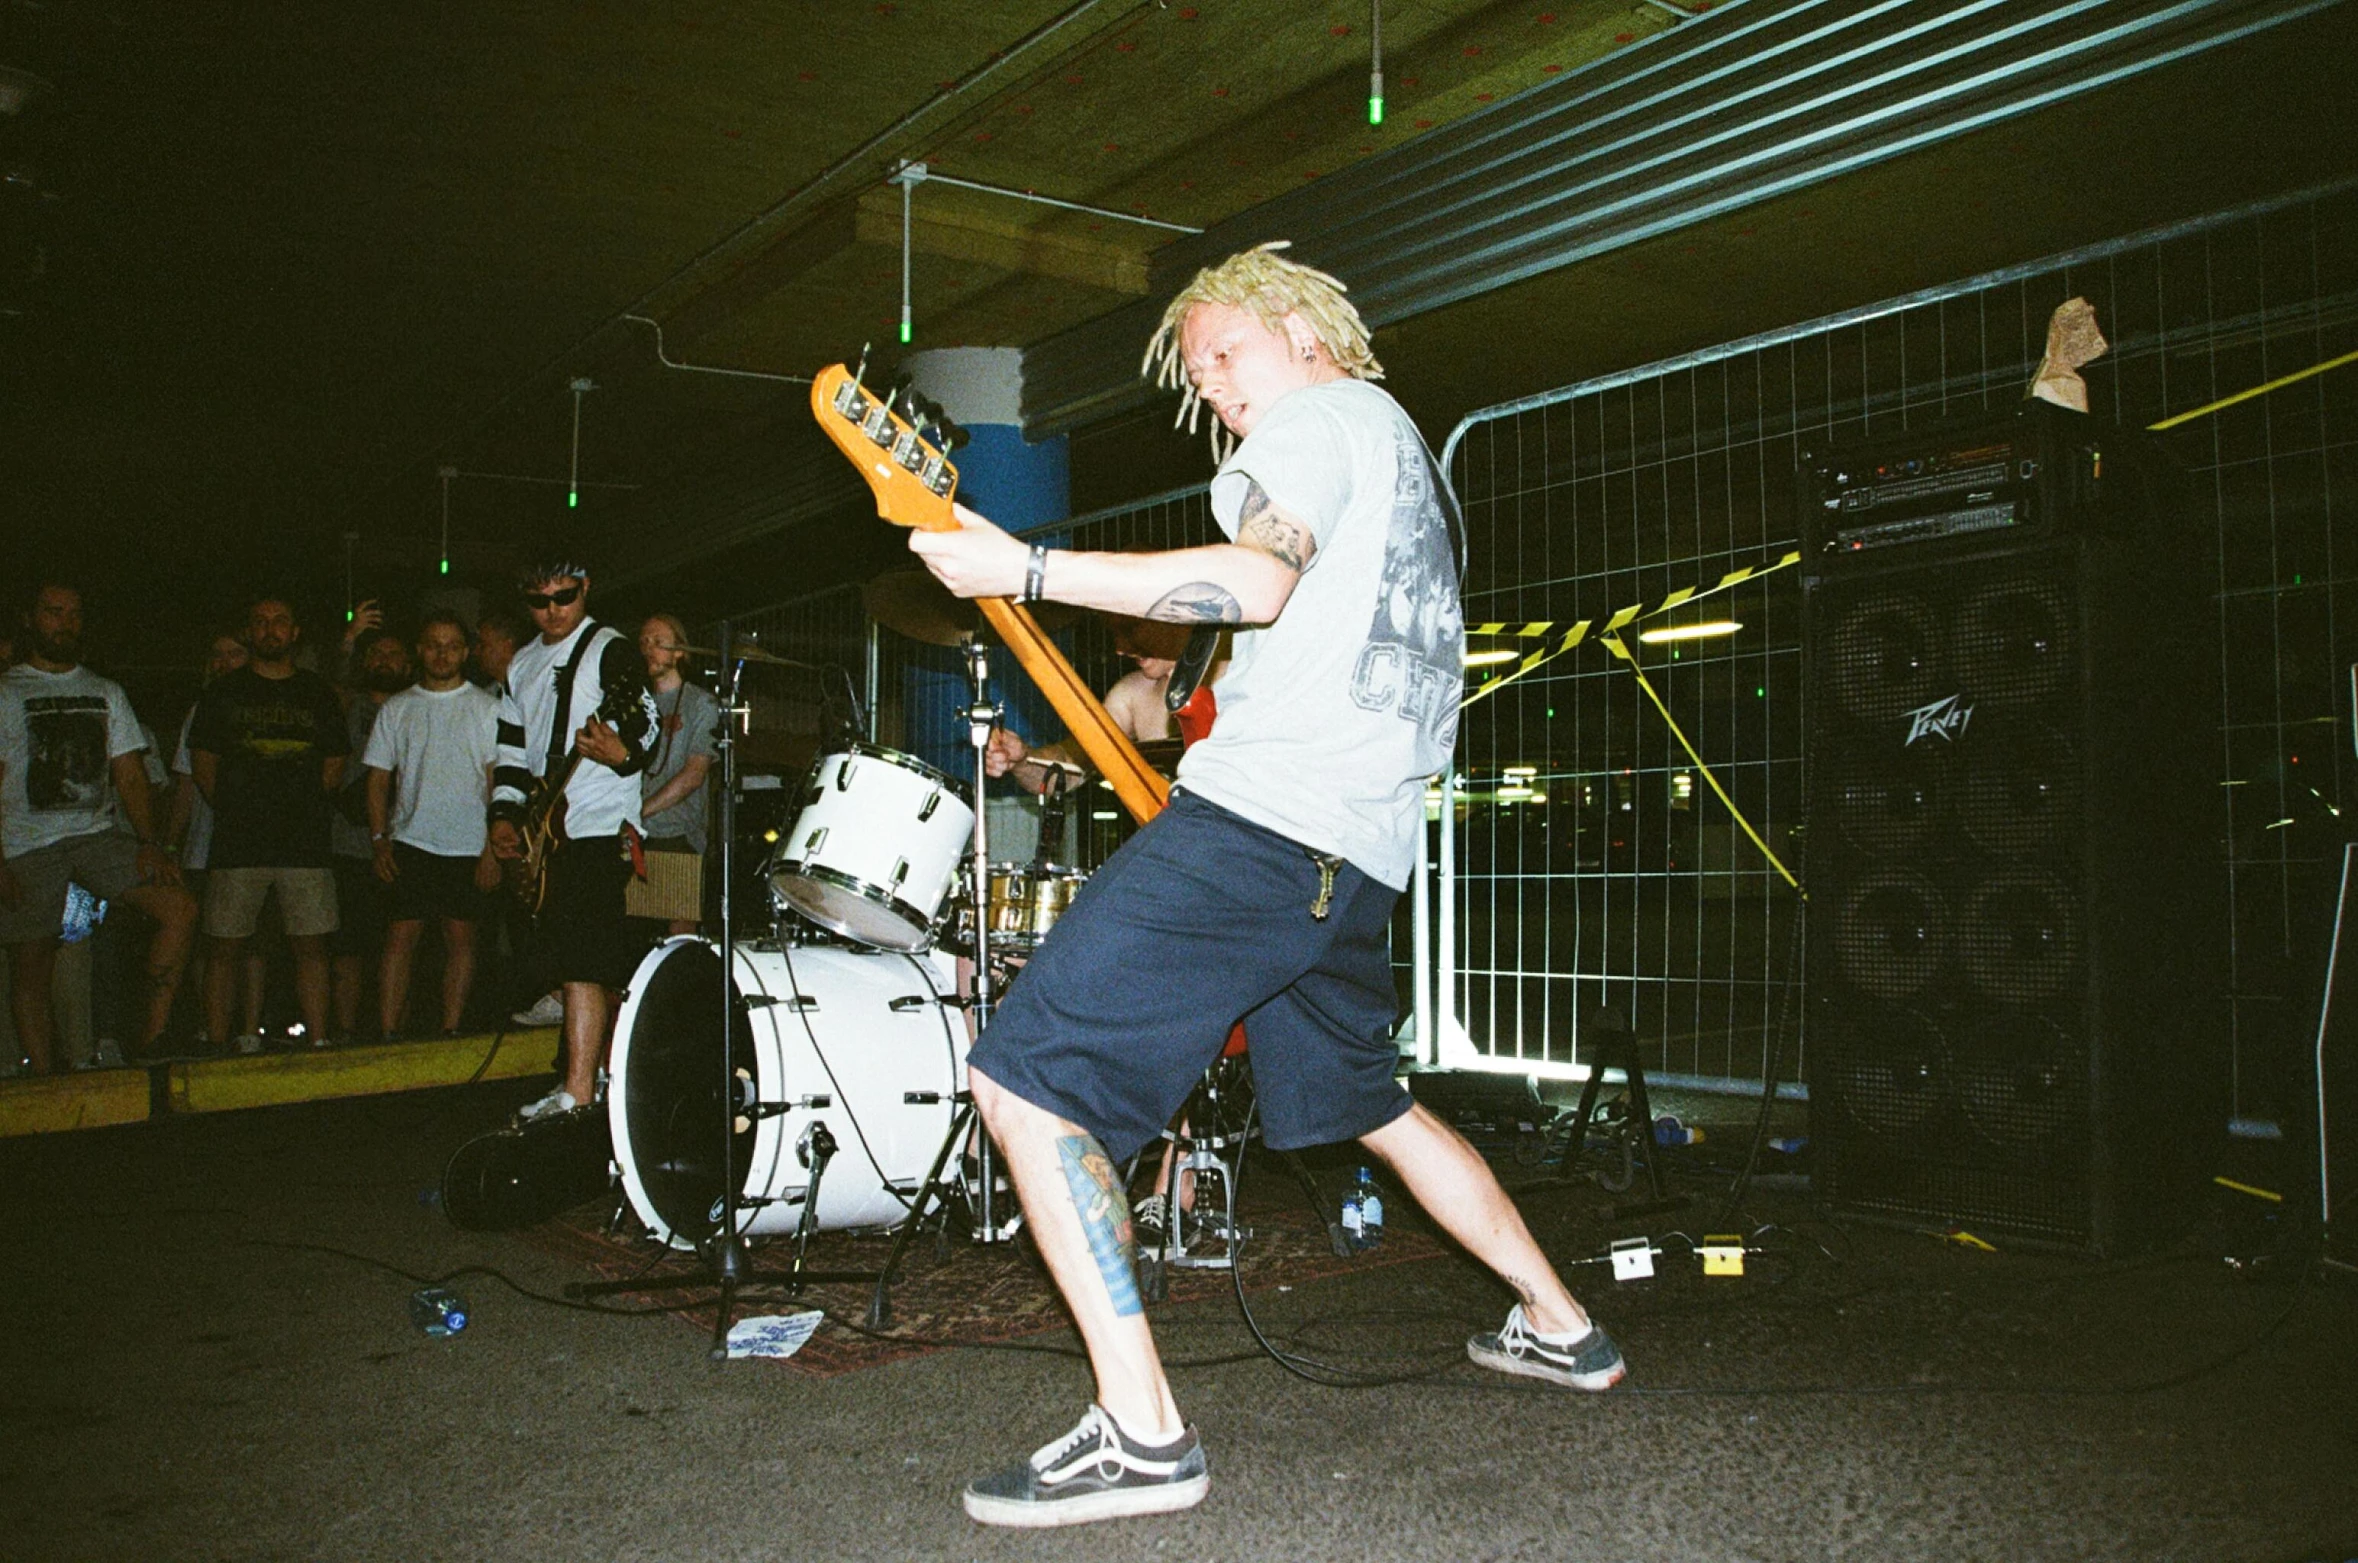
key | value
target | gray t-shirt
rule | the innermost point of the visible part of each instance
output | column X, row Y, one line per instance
column 1332, row 718
column 687, row 724
column 345, row 838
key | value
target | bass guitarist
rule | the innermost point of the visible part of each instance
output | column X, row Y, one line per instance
column 579, row 690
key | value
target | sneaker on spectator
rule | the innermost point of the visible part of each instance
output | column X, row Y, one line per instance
column 1590, row 1361
column 1094, row 1472
column 556, row 1103
column 549, row 1011
column 1148, row 1218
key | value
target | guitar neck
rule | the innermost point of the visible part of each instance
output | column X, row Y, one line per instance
column 1140, row 787
column 913, row 480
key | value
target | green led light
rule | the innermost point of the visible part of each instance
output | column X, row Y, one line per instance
column 446, row 566
column 1375, row 111
column 573, row 499
column 347, row 615
column 1761, row 692
column 907, row 333
column 2296, row 577
column 1551, row 713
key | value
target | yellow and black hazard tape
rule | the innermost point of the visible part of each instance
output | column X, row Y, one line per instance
column 1564, row 637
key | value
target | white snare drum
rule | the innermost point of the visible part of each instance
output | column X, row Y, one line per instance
column 875, row 848
column 858, row 1040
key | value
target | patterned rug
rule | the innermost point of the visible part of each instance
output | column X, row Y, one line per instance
column 972, row 1296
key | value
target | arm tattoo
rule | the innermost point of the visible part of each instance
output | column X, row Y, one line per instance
column 1262, row 525
column 1105, row 1217
column 1198, row 602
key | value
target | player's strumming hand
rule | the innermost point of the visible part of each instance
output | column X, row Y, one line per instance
column 506, row 840
column 601, row 743
column 977, row 560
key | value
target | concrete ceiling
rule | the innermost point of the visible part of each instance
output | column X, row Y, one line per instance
column 267, row 269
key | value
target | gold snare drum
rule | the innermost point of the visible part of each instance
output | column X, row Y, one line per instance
column 1027, row 899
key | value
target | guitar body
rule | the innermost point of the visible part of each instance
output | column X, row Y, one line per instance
column 543, row 824
column 527, row 873
column 914, row 484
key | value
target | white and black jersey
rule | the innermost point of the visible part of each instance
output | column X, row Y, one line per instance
column 599, row 800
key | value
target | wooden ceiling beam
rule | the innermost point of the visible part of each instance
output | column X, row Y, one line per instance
column 1003, row 245
column 833, row 229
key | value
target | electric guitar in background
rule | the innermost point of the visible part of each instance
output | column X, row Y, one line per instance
column 543, row 824
column 914, row 483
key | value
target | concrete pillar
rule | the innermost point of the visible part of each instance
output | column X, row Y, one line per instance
column 1021, row 485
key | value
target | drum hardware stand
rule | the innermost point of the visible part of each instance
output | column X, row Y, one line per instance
column 728, row 1265
column 982, row 718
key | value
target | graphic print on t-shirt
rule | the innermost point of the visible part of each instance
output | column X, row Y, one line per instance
column 65, row 745
column 1411, row 664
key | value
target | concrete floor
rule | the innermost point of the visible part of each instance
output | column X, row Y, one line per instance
column 178, row 1387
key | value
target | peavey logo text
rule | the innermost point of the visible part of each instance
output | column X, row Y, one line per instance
column 1941, row 719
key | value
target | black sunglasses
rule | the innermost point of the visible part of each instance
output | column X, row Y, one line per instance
column 563, row 597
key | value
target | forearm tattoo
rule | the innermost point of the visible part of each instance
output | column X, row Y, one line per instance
column 1261, row 525
column 1105, row 1217
column 1198, row 602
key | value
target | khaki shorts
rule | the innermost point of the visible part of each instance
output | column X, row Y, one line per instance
column 234, row 897
column 104, row 862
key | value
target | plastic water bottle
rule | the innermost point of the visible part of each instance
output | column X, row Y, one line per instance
column 1363, row 1211
column 83, row 912
column 437, row 1311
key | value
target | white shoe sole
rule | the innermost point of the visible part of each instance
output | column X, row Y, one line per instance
column 1508, row 1362
column 1113, row 1504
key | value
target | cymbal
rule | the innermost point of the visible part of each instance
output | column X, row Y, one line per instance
column 920, row 607
column 748, row 650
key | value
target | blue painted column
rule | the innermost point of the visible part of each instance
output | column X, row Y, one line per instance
column 1020, row 484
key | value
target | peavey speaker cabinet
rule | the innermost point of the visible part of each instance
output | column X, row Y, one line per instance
column 2015, row 870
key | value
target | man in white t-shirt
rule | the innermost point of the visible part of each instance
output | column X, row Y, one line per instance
column 1267, row 887
column 70, row 754
column 429, row 765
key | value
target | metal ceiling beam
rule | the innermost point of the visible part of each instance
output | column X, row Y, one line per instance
column 1755, row 100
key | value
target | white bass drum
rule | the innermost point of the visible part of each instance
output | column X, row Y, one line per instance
column 858, row 1040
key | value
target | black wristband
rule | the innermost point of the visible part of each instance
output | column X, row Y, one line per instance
column 1035, row 575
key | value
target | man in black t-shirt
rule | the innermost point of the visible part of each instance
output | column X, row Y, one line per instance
column 268, row 749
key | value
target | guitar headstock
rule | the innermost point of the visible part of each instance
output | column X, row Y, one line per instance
column 912, row 478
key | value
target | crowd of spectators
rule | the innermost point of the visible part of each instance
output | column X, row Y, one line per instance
column 313, row 841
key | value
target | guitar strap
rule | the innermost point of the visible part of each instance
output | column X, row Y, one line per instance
column 560, row 729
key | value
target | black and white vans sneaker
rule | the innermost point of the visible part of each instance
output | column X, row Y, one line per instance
column 1591, row 1362
column 1094, row 1472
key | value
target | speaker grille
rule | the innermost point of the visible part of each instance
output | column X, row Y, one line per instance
column 2021, row 938
column 2019, row 792
column 1885, row 657
column 2015, row 644
column 1892, row 934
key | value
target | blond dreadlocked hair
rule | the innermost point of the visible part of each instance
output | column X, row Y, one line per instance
column 1271, row 287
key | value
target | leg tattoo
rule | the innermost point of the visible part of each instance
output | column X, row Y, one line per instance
column 1105, row 1217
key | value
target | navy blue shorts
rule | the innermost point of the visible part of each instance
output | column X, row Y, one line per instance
column 1203, row 919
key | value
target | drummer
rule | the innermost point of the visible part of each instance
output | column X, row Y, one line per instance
column 1136, row 702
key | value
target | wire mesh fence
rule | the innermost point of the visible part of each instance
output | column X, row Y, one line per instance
column 1590, row 866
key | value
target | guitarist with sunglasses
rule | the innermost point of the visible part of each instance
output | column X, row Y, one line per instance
column 573, row 730
column 1266, row 888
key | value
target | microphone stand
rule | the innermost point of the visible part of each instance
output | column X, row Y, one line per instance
column 726, row 1262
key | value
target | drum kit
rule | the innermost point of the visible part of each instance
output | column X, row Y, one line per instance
column 837, row 1101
